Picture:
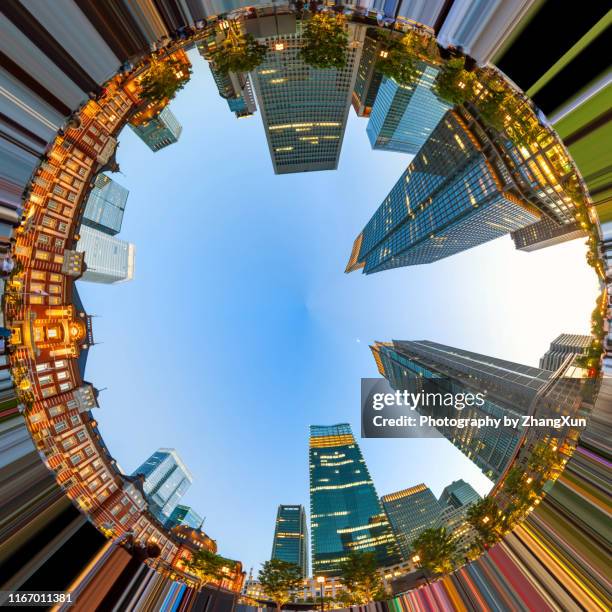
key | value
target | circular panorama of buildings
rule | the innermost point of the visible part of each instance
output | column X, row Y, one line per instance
column 50, row 332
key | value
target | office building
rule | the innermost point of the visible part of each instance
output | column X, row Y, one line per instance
column 457, row 494
column 166, row 479
column 105, row 205
column 562, row 346
column 345, row 512
column 404, row 116
column 545, row 233
column 160, row 131
column 304, row 110
column 466, row 185
column 368, row 79
column 410, row 512
column 509, row 390
column 184, row 515
column 236, row 89
column 291, row 536
column 108, row 260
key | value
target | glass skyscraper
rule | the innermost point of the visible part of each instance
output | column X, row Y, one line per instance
column 410, row 512
column 459, row 493
column 304, row 109
column 466, row 185
column 160, row 131
column 105, row 205
column 509, row 388
column 184, row 515
column 291, row 536
column 368, row 77
column 345, row 512
column 166, row 481
column 108, row 260
column 404, row 116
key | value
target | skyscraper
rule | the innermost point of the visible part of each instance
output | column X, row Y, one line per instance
column 108, row 259
column 466, row 185
column 235, row 88
column 304, row 109
column 184, row 515
column 345, row 512
column 562, row 346
column 166, row 479
column 105, row 205
column 410, row 512
column 458, row 493
column 509, row 389
column 159, row 132
column 545, row 233
column 291, row 536
column 404, row 116
column 368, row 79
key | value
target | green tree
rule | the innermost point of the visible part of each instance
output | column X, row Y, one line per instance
column 491, row 105
column 207, row 566
column 485, row 518
column 516, row 485
column 454, row 83
column 397, row 57
column 279, row 579
column 436, row 550
column 163, row 79
column 325, row 41
column 359, row 573
column 238, row 52
column 543, row 460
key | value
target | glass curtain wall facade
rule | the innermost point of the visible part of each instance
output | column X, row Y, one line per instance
column 466, row 185
column 304, row 110
column 160, row 131
column 458, row 493
column 410, row 512
column 345, row 512
column 105, row 205
column 184, row 515
column 108, row 259
column 509, row 389
column 404, row 116
column 368, row 79
column 291, row 537
column 166, row 479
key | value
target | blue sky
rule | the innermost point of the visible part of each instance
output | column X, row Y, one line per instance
column 240, row 328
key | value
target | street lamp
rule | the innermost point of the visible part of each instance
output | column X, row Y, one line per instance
column 321, row 581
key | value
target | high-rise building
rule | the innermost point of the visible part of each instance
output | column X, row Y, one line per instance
column 404, row 116
column 184, row 515
column 466, row 185
column 105, row 205
column 545, row 233
column 562, row 346
column 166, row 479
column 509, row 390
column 368, row 79
column 236, row 89
column 410, row 512
column 291, row 536
column 304, row 110
column 459, row 493
column 345, row 512
column 160, row 131
column 108, row 260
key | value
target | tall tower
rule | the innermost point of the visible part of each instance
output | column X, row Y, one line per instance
column 160, row 131
column 562, row 346
column 509, row 389
column 108, row 259
column 466, row 185
column 404, row 116
column 166, row 479
column 411, row 511
column 345, row 512
column 304, row 110
column 105, row 205
column 458, row 493
column 291, row 536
